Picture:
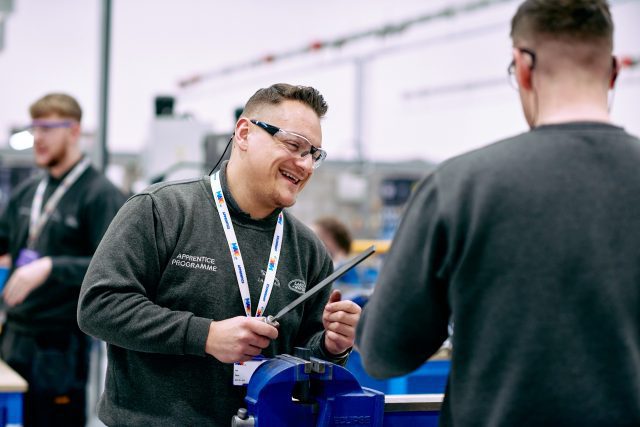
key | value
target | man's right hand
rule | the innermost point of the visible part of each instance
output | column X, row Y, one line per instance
column 239, row 339
column 5, row 260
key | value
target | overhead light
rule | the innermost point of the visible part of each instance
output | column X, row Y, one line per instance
column 21, row 140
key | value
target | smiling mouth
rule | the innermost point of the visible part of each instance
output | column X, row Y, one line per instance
column 290, row 177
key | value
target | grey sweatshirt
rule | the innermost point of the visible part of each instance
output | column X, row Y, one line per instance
column 532, row 244
column 162, row 273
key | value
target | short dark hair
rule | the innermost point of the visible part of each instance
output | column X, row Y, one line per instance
column 337, row 230
column 56, row 103
column 573, row 20
column 279, row 92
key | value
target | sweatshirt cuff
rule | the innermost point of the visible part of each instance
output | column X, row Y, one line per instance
column 197, row 333
column 56, row 269
column 338, row 359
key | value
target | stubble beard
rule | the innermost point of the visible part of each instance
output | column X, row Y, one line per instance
column 55, row 159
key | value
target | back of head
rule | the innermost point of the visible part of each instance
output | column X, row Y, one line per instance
column 337, row 232
column 59, row 104
column 279, row 92
column 574, row 34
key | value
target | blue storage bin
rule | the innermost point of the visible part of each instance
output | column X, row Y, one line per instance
column 12, row 387
column 429, row 378
column 4, row 275
column 10, row 409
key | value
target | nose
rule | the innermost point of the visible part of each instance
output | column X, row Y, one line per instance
column 305, row 163
column 37, row 134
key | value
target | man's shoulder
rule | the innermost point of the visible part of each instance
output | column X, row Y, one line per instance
column 481, row 163
column 298, row 226
column 26, row 186
column 172, row 188
column 99, row 181
column 303, row 233
column 542, row 143
column 489, row 154
column 175, row 195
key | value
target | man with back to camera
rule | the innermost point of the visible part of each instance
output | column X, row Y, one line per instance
column 50, row 229
column 531, row 244
column 186, row 265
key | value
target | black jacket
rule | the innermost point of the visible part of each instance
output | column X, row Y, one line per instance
column 70, row 238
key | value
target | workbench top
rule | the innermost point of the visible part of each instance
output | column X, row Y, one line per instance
column 10, row 381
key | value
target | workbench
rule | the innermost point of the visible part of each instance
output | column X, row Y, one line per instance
column 12, row 387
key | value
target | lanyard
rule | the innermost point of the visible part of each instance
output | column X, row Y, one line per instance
column 38, row 219
column 234, row 249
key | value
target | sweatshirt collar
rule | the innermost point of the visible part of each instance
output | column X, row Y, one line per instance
column 54, row 181
column 579, row 125
column 240, row 216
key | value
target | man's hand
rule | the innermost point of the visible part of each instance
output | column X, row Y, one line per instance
column 239, row 339
column 339, row 320
column 25, row 279
column 5, row 260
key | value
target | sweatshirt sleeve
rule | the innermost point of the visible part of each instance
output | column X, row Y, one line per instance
column 115, row 303
column 405, row 320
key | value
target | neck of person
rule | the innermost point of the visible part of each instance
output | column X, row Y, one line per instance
column 243, row 195
column 62, row 167
column 562, row 104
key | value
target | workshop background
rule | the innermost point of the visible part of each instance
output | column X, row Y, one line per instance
column 409, row 84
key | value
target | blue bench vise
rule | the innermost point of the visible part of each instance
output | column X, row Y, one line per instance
column 302, row 391
column 307, row 392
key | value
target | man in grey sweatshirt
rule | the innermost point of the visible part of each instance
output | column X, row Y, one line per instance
column 531, row 245
column 186, row 267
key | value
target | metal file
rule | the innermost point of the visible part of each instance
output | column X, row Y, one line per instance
column 273, row 320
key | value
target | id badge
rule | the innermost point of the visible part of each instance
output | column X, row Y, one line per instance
column 26, row 256
column 242, row 371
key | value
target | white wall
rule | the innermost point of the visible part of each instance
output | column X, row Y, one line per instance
column 55, row 46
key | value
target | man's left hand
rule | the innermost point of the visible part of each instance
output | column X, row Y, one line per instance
column 25, row 279
column 340, row 319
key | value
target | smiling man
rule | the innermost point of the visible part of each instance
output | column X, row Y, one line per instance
column 52, row 226
column 180, row 278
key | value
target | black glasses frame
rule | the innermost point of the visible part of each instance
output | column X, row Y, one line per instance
column 512, row 65
column 272, row 130
column 266, row 126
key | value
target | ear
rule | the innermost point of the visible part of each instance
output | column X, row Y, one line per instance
column 242, row 133
column 524, row 69
column 614, row 72
column 75, row 130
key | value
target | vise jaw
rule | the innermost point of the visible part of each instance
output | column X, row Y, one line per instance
column 290, row 391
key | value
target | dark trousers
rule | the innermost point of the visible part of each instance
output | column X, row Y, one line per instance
column 56, row 367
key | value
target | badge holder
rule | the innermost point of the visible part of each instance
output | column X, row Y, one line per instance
column 26, row 256
column 242, row 371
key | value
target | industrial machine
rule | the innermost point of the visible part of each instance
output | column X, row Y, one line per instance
column 303, row 391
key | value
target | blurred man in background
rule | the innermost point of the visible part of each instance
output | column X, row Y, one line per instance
column 336, row 237
column 532, row 244
column 49, row 230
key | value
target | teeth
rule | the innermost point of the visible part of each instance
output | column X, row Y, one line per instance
column 288, row 175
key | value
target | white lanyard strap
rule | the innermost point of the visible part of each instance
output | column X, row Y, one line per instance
column 234, row 249
column 38, row 219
